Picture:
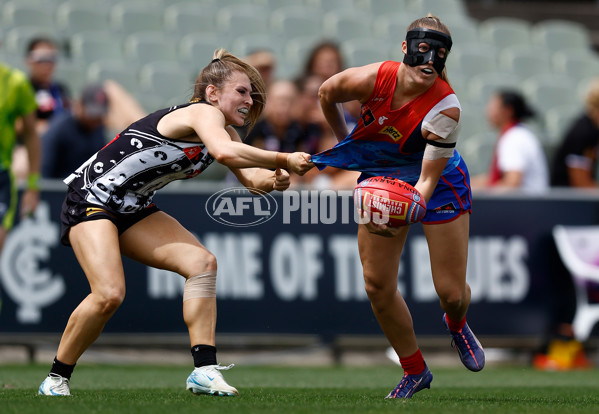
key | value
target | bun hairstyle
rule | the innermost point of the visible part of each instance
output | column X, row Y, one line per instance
column 514, row 100
column 220, row 69
column 432, row 22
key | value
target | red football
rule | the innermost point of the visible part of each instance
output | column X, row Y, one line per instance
column 389, row 201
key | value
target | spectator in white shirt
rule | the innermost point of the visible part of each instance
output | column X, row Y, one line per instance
column 518, row 161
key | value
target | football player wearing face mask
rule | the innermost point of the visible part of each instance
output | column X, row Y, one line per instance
column 408, row 130
column 438, row 45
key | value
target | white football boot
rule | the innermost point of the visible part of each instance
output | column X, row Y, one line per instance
column 54, row 384
column 209, row 380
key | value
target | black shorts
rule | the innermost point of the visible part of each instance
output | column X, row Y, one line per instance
column 76, row 210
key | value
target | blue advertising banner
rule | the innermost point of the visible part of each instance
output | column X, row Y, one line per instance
column 288, row 263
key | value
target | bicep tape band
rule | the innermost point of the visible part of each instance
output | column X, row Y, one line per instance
column 446, row 128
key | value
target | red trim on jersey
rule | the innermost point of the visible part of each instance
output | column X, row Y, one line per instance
column 114, row 139
column 396, row 125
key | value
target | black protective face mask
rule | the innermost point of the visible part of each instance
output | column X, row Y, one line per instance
column 436, row 40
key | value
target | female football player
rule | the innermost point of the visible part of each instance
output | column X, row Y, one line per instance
column 108, row 211
column 408, row 130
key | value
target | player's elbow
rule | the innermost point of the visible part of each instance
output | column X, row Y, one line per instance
column 225, row 156
column 324, row 94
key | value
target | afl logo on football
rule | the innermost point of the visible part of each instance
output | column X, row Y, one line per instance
column 238, row 207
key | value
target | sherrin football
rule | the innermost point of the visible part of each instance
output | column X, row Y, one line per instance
column 389, row 201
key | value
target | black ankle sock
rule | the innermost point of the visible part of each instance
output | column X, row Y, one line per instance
column 62, row 369
column 203, row 355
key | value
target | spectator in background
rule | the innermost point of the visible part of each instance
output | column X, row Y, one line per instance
column 279, row 129
column 324, row 60
column 72, row 138
column 52, row 97
column 575, row 163
column 310, row 113
column 265, row 63
column 518, row 161
column 17, row 101
column 123, row 108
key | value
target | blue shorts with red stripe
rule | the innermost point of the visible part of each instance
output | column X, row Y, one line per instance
column 452, row 196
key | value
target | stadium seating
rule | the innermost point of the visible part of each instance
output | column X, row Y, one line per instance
column 473, row 123
column 577, row 63
column 464, row 33
column 196, row 51
column 557, row 119
column 439, row 8
column 144, row 47
column 477, row 151
column 393, row 26
column 339, row 5
column 183, row 18
column 346, row 24
column 359, row 52
column 561, row 35
column 274, row 4
column 297, row 49
column 239, row 21
column 503, row 32
column 244, row 45
column 544, row 92
column 70, row 73
column 115, row 69
column 17, row 38
column 524, row 60
column 166, row 80
column 18, row 13
column 471, row 61
column 130, row 17
column 483, row 85
column 295, row 21
column 13, row 60
column 73, row 17
column 89, row 46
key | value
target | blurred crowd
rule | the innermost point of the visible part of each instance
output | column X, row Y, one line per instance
column 71, row 129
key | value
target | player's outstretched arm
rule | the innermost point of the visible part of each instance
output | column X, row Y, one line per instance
column 225, row 146
column 262, row 179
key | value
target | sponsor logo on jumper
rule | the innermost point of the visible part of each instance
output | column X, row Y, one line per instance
column 367, row 117
column 392, row 132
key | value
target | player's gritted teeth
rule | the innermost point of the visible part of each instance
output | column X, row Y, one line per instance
column 427, row 71
column 243, row 111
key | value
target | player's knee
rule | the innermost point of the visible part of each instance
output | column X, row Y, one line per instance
column 111, row 300
column 378, row 291
column 452, row 297
column 200, row 263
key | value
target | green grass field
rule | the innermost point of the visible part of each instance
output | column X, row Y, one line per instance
column 288, row 390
